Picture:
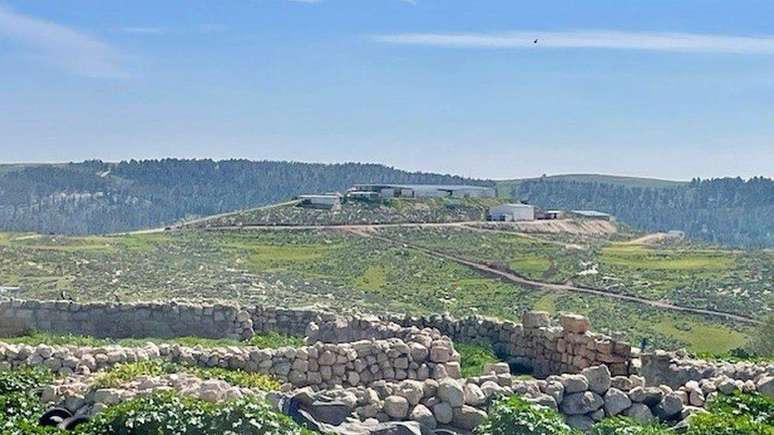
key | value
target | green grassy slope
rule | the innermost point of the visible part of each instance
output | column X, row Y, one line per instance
column 343, row 270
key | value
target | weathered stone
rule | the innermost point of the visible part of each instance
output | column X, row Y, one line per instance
column 443, row 412
column 396, row 407
column 467, row 417
column 581, row 403
column 423, row 416
column 575, row 323
column 616, row 401
column 598, row 378
column 451, row 392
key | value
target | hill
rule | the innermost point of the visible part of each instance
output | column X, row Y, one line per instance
column 353, row 212
column 505, row 187
column 96, row 197
column 728, row 211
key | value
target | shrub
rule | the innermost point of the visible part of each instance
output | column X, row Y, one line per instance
column 515, row 416
column 625, row 426
column 274, row 340
column 717, row 424
column 473, row 357
column 736, row 414
column 171, row 414
column 123, row 373
column 20, row 405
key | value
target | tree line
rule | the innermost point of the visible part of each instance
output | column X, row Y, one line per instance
column 727, row 211
column 94, row 197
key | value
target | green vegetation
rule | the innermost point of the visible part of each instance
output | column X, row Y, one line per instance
column 731, row 211
column 344, row 270
column 170, row 414
column 397, row 210
column 20, row 405
column 625, row 426
column 122, row 373
column 474, row 356
column 95, row 197
column 515, row 416
column 269, row 340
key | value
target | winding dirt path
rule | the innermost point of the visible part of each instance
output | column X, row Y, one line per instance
column 539, row 285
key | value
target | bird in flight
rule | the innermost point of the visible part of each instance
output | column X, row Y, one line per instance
column 535, row 41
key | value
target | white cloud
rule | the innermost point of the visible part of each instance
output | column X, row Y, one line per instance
column 60, row 46
column 144, row 30
column 600, row 39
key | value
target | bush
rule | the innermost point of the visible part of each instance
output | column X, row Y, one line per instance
column 625, row 426
column 736, row 414
column 123, row 373
column 20, row 405
column 515, row 416
column 473, row 357
column 162, row 414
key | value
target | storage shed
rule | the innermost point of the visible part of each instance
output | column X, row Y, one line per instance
column 512, row 213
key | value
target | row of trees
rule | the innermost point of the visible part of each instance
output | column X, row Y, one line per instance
column 729, row 211
column 99, row 197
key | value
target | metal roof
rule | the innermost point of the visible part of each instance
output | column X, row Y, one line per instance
column 426, row 186
column 591, row 213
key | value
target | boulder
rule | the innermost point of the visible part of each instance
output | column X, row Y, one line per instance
column 423, row 416
column 598, row 378
column 535, row 319
column 766, row 386
column 473, row 394
column 582, row 423
column 443, row 413
column 669, row 407
column 650, row 396
column 499, row 368
column 616, row 401
column 639, row 413
column 574, row 383
column 411, row 391
column 467, row 417
column 451, row 392
column 581, row 403
column 396, row 407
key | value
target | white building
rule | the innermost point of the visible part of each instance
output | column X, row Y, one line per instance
column 512, row 212
column 328, row 200
column 425, row 191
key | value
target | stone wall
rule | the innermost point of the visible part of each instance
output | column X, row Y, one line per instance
column 535, row 343
column 676, row 369
column 425, row 354
column 147, row 319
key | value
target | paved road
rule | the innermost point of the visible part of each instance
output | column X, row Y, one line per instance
column 517, row 279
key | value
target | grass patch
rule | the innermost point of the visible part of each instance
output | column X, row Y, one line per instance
column 123, row 373
column 642, row 257
column 474, row 356
column 268, row 340
column 700, row 336
column 275, row 340
column 374, row 278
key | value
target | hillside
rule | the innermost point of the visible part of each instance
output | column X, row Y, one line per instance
column 728, row 211
column 351, row 212
column 95, row 197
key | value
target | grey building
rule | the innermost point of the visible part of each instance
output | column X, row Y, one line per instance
column 424, row 191
column 512, row 213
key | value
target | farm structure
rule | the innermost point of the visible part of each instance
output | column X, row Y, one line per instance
column 512, row 212
column 324, row 201
column 592, row 214
column 550, row 214
column 420, row 191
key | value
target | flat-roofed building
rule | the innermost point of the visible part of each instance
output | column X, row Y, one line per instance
column 425, row 190
column 325, row 200
column 512, row 213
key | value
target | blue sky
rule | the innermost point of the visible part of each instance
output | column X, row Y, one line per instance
column 672, row 89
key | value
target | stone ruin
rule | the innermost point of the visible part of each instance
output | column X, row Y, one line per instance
column 364, row 374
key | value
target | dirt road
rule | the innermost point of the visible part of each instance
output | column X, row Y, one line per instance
column 517, row 279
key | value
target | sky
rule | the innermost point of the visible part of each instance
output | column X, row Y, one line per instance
column 669, row 89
